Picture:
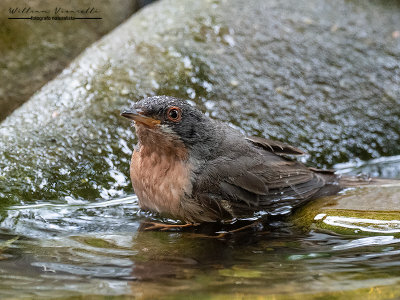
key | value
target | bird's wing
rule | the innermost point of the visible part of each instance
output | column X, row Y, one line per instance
column 275, row 146
column 259, row 180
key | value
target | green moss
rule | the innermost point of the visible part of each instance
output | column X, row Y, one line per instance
column 304, row 216
column 356, row 207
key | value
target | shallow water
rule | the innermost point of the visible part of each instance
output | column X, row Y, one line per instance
column 99, row 249
column 386, row 167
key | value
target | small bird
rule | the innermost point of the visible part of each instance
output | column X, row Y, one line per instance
column 190, row 167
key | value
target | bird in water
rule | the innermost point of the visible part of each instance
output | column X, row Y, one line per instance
column 190, row 167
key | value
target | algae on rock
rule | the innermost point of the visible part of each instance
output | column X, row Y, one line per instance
column 371, row 210
column 324, row 78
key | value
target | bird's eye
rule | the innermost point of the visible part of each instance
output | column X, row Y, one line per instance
column 174, row 114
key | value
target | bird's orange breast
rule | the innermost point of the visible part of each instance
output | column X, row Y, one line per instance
column 160, row 177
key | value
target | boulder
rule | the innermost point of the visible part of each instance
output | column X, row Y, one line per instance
column 34, row 51
column 324, row 77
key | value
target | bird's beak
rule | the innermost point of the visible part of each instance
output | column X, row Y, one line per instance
column 137, row 116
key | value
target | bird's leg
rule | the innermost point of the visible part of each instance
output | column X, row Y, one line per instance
column 163, row 227
column 254, row 224
column 225, row 233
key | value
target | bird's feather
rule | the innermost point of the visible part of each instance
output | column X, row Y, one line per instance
column 259, row 178
column 275, row 146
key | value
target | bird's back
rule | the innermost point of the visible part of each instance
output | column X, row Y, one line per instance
column 252, row 174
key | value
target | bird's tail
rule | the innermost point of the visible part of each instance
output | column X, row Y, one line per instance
column 357, row 181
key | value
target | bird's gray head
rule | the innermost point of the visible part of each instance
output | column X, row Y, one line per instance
column 173, row 117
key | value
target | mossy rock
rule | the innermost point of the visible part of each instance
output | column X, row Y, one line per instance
column 319, row 77
column 370, row 211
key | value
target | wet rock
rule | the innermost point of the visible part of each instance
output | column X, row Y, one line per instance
column 33, row 51
column 370, row 210
column 323, row 77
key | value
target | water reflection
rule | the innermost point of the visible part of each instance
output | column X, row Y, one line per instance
column 366, row 225
column 99, row 249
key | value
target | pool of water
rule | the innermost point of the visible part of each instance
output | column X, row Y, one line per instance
column 101, row 250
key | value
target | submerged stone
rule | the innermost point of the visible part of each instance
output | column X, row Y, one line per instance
column 322, row 77
column 373, row 210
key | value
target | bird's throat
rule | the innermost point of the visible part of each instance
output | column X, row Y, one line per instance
column 160, row 173
column 153, row 141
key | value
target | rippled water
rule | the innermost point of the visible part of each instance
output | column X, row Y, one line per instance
column 101, row 250
column 387, row 167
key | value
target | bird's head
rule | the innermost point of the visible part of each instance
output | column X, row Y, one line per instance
column 170, row 117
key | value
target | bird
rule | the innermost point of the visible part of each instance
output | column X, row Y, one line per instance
column 195, row 169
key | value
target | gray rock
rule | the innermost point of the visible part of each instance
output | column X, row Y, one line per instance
column 322, row 76
column 33, row 51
